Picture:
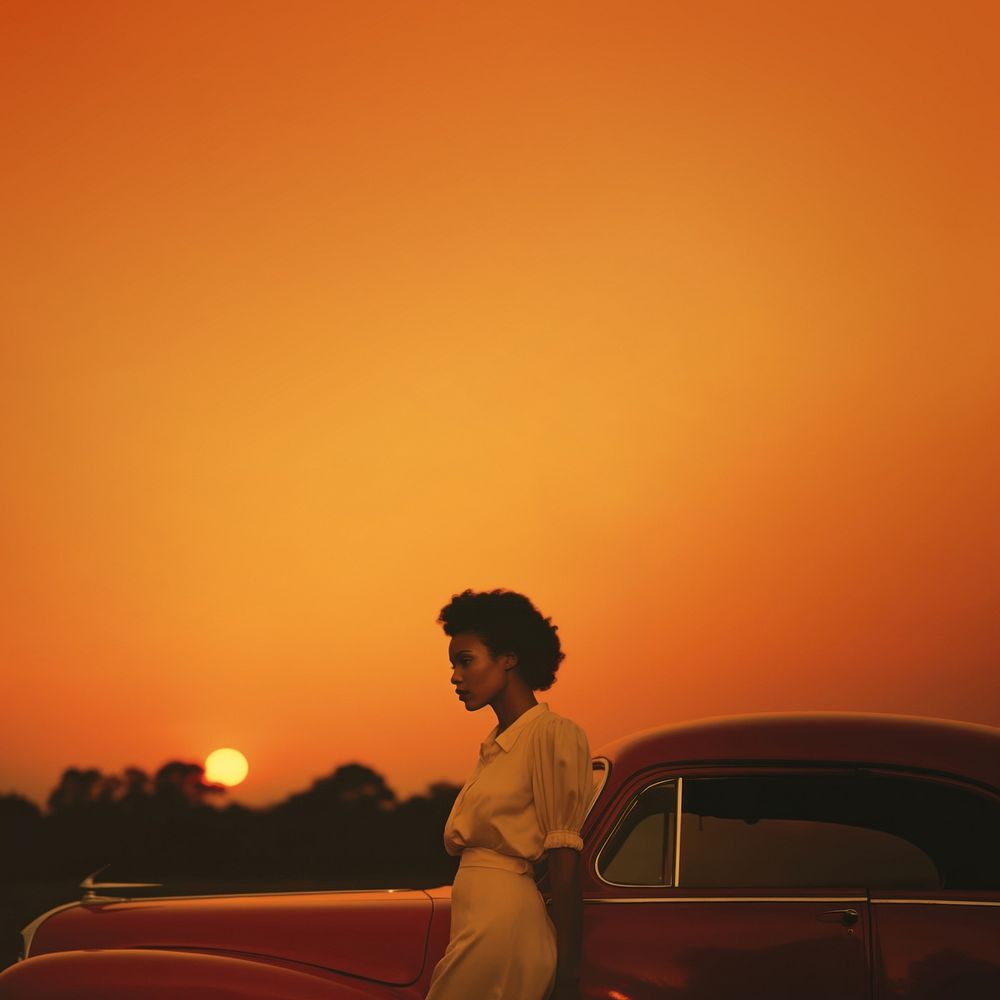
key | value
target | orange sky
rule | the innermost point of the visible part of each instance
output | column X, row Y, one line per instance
column 679, row 317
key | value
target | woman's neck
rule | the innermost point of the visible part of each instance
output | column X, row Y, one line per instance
column 512, row 703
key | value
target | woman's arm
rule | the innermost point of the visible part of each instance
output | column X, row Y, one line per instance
column 567, row 916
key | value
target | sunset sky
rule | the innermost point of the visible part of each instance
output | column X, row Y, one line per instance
column 681, row 318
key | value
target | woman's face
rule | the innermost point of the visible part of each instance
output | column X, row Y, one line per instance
column 477, row 676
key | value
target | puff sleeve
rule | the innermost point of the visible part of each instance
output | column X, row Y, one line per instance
column 561, row 780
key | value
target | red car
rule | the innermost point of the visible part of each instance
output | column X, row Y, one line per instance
column 828, row 855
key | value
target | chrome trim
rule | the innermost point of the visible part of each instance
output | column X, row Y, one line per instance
column 943, row 902
column 90, row 885
column 251, row 892
column 621, row 819
column 727, row 899
column 29, row 930
column 596, row 794
column 678, row 811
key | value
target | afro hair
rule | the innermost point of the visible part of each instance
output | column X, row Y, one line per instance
column 507, row 622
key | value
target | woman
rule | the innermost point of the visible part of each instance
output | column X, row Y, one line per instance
column 526, row 798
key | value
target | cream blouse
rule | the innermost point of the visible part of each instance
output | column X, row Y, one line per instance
column 529, row 791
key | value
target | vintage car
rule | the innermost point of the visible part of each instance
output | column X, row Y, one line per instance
column 827, row 855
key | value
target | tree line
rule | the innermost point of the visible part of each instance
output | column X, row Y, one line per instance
column 348, row 829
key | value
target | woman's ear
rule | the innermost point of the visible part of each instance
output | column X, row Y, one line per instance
column 509, row 661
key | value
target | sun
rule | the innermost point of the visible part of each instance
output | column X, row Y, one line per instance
column 226, row 767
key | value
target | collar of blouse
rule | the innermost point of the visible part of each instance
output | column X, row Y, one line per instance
column 497, row 741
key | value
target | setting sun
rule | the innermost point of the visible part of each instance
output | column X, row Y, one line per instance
column 226, row 767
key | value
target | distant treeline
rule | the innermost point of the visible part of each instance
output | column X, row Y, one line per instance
column 348, row 828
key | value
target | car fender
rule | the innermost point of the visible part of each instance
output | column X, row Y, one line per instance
column 130, row 974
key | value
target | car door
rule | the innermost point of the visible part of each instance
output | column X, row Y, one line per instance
column 717, row 884
column 937, row 929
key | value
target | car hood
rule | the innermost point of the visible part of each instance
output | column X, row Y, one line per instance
column 379, row 934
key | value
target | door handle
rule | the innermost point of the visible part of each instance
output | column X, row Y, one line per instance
column 847, row 917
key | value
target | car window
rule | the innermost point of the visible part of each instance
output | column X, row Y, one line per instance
column 640, row 850
column 859, row 830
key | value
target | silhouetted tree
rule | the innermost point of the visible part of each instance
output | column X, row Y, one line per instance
column 341, row 826
column 135, row 791
column 347, row 828
column 183, row 784
column 76, row 789
column 17, row 810
column 348, row 786
column 419, row 822
column 20, row 826
column 108, row 789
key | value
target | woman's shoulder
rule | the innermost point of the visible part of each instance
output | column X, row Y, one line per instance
column 555, row 727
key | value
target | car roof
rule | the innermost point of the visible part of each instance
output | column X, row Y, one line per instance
column 965, row 749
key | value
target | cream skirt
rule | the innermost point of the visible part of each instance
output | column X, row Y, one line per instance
column 503, row 944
